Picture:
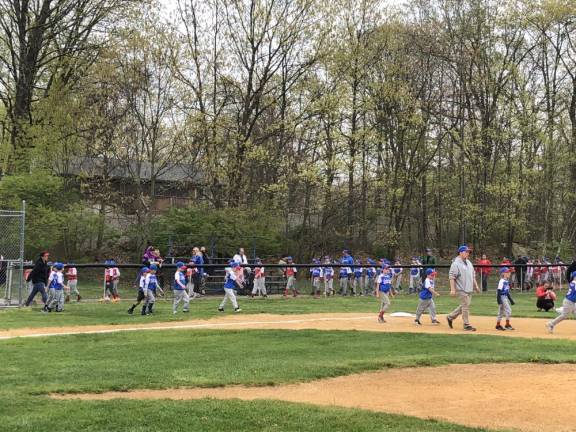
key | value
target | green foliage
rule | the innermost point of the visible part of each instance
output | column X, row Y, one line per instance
column 229, row 229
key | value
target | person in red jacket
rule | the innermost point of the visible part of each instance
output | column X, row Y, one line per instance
column 506, row 262
column 545, row 297
column 484, row 271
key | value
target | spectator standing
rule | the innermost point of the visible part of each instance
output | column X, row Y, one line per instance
column 462, row 283
column 484, row 272
column 520, row 270
column 429, row 261
column 39, row 277
column 198, row 260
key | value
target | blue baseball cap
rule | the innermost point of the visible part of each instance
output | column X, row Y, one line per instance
column 58, row 266
column 371, row 261
column 153, row 267
column 144, row 269
column 289, row 258
column 430, row 271
column 180, row 264
column 464, row 248
column 234, row 264
column 504, row 270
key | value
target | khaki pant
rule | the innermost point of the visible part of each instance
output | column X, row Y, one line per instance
column 463, row 309
column 384, row 301
column 328, row 286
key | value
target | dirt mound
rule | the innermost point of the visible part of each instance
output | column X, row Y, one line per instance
column 501, row 396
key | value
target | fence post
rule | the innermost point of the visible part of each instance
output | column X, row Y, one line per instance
column 22, row 227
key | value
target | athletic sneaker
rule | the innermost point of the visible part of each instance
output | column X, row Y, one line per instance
column 435, row 322
column 508, row 327
column 381, row 319
column 220, row 309
column 469, row 328
column 499, row 327
column 130, row 311
column 550, row 327
column 237, row 310
column 417, row 322
column 174, row 312
column 449, row 322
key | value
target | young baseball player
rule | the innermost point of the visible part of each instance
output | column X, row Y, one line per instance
column 504, row 299
column 180, row 291
column 112, row 277
column 345, row 272
column 55, row 289
column 141, row 278
column 426, row 301
column 259, row 280
column 149, row 289
column 568, row 306
column 291, row 279
column 414, row 281
column 328, row 272
column 397, row 277
column 343, row 280
column 230, row 284
column 190, row 271
column 316, row 274
column 384, row 283
column 370, row 277
column 72, row 282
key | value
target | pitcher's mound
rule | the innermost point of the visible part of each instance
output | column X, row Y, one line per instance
column 527, row 397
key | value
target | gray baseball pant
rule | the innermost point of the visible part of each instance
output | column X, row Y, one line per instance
column 343, row 285
column 181, row 296
column 259, row 286
column 229, row 294
column 384, row 301
column 568, row 308
column 504, row 308
column 55, row 299
column 423, row 305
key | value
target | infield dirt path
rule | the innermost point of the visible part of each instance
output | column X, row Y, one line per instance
column 499, row 396
column 525, row 327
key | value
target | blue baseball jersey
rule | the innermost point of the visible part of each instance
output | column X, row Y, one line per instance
column 503, row 287
column 371, row 272
column 414, row 271
column 316, row 272
column 151, row 282
column 358, row 272
column 180, row 280
column 343, row 272
column 571, row 295
column 425, row 293
column 328, row 273
column 56, row 280
column 385, row 282
column 230, row 279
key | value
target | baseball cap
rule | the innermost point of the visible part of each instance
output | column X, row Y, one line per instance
column 464, row 248
column 180, row 264
column 153, row 267
column 58, row 266
column 430, row 271
column 428, row 249
column 289, row 258
column 504, row 270
column 233, row 263
column 144, row 269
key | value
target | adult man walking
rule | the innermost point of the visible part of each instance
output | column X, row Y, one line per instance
column 462, row 283
column 39, row 277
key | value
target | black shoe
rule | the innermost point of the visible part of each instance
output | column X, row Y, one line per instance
column 435, row 322
column 143, row 310
column 469, row 328
column 417, row 322
column 499, row 327
column 220, row 309
column 130, row 311
column 450, row 320
column 508, row 327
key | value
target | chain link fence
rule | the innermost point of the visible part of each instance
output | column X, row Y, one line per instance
column 12, row 225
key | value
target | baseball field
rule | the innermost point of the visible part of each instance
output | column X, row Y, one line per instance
column 299, row 364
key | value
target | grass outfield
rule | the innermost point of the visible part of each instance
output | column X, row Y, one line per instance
column 205, row 308
column 123, row 361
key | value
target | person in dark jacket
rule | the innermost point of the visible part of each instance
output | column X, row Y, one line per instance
column 39, row 277
column 429, row 261
column 571, row 269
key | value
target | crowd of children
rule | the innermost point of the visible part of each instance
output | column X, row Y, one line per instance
column 382, row 279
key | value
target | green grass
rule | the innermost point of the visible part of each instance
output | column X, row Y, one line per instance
column 160, row 359
column 206, row 415
column 163, row 359
column 205, row 308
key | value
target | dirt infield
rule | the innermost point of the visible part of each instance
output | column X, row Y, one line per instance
column 525, row 327
column 501, row 396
